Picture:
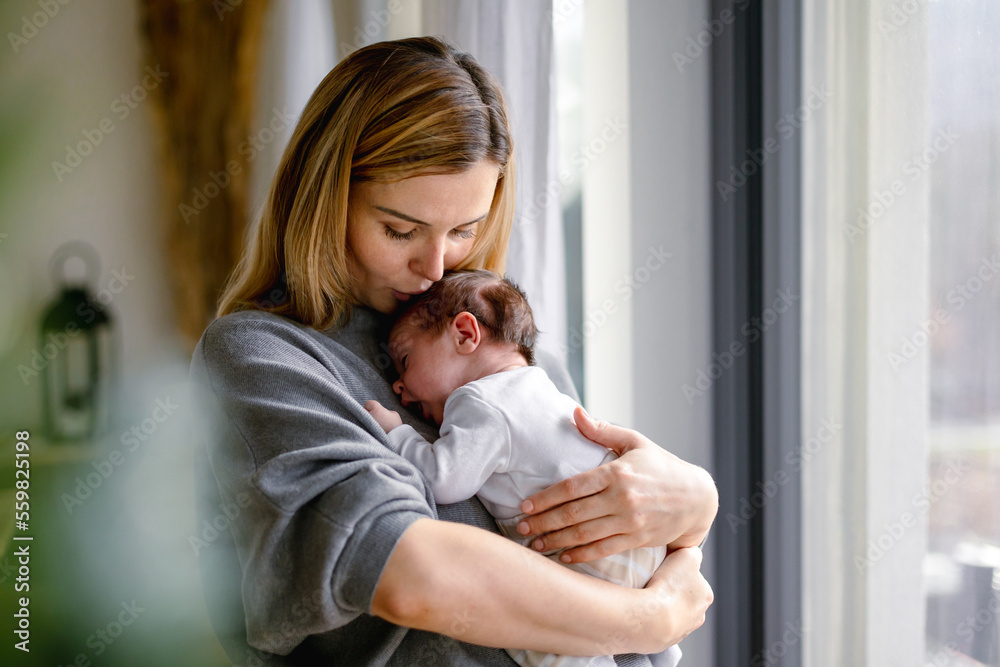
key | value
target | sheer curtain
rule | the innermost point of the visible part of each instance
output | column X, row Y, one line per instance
column 298, row 51
column 865, row 288
column 514, row 41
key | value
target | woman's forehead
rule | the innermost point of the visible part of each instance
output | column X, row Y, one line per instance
column 434, row 199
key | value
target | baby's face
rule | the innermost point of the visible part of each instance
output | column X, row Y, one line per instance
column 429, row 368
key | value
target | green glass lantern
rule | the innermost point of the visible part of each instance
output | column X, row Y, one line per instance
column 77, row 337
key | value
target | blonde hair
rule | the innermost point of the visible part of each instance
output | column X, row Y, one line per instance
column 387, row 112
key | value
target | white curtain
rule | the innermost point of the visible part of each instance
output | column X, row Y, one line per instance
column 514, row 41
column 864, row 533
column 298, row 52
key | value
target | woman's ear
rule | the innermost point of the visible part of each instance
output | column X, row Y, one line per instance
column 465, row 332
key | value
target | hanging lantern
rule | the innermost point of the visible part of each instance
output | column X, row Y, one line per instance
column 77, row 334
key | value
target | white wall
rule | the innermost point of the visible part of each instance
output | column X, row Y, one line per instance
column 128, row 536
column 607, row 222
column 671, row 207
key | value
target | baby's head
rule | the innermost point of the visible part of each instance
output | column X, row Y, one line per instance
column 469, row 324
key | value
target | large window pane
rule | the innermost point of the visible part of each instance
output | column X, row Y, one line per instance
column 963, row 331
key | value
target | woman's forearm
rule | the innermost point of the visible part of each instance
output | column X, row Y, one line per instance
column 484, row 589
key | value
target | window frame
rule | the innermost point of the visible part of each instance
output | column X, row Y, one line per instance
column 757, row 420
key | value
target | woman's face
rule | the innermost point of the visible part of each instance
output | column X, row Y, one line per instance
column 403, row 236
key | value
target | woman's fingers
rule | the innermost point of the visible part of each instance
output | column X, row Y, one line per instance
column 579, row 534
column 599, row 549
column 647, row 496
column 580, row 486
column 606, row 547
column 616, row 438
column 688, row 559
column 585, row 484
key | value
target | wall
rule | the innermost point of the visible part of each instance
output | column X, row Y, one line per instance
column 671, row 208
column 66, row 80
column 111, row 518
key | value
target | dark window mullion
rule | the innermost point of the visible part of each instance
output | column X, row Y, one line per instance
column 737, row 248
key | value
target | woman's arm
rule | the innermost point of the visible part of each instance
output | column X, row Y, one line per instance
column 646, row 497
column 484, row 589
column 326, row 520
column 311, row 501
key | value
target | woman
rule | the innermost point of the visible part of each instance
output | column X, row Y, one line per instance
column 329, row 545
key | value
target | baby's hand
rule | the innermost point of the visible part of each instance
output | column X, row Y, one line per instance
column 386, row 418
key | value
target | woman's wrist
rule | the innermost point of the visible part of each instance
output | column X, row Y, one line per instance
column 650, row 622
column 678, row 599
column 705, row 506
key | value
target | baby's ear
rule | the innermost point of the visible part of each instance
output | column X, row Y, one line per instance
column 466, row 332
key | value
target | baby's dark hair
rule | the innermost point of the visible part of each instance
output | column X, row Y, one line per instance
column 497, row 303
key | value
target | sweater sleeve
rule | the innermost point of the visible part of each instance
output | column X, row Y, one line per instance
column 316, row 501
column 474, row 443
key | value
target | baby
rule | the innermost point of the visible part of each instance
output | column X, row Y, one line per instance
column 464, row 352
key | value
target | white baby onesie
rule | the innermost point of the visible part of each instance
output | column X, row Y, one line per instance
column 503, row 438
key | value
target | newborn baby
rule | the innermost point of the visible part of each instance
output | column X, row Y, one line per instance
column 464, row 353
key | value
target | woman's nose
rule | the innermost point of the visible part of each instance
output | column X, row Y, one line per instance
column 430, row 263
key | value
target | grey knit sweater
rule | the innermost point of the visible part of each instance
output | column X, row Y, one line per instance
column 301, row 499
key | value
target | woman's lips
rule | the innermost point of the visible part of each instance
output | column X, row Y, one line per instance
column 404, row 296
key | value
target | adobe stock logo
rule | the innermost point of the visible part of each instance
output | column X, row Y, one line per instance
column 37, row 21
column 786, row 127
column 699, row 43
column 57, row 341
column 131, row 441
column 624, row 289
column 795, row 461
column 894, row 531
column 957, row 297
column 121, row 107
column 915, row 167
column 751, row 331
column 217, row 181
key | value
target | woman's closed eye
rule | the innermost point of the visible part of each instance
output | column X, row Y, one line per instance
column 396, row 235
column 399, row 236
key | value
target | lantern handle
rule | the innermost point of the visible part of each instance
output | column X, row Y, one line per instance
column 81, row 250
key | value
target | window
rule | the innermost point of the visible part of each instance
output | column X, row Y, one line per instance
column 901, row 546
column 962, row 333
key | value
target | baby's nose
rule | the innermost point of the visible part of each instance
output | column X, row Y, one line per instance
column 397, row 387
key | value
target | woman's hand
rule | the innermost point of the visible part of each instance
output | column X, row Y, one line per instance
column 646, row 497
column 386, row 418
column 681, row 595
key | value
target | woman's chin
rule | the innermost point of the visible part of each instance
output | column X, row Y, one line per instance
column 384, row 303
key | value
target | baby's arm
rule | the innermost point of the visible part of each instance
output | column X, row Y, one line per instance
column 474, row 443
